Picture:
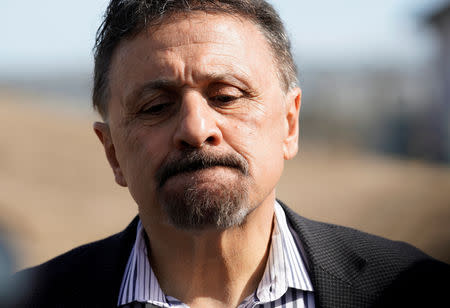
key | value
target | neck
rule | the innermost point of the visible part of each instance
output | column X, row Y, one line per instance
column 211, row 268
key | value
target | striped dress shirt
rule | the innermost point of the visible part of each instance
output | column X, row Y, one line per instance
column 285, row 282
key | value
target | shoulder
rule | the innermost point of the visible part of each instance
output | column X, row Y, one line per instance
column 79, row 274
column 379, row 269
column 325, row 237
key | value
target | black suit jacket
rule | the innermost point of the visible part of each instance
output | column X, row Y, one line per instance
column 348, row 268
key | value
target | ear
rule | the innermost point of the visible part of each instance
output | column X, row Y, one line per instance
column 292, row 105
column 104, row 134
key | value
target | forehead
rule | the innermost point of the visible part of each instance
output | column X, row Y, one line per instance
column 185, row 48
column 201, row 27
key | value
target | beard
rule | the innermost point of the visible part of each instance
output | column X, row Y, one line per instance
column 199, row 204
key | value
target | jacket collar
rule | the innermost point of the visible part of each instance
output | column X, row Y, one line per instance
column 334, row 266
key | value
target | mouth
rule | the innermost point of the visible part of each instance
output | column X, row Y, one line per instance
column 200, row 163
column 201, row 174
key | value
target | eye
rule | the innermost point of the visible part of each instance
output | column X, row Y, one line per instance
column 159, row 104
column 224, row 95
column 156, row 109
column 221, row 99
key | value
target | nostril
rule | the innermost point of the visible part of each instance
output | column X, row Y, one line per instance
column 210, row 139
column 185, row 144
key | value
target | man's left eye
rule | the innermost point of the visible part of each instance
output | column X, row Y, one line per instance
column 223, row 99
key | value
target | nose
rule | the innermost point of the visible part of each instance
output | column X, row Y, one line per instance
column 197, row 123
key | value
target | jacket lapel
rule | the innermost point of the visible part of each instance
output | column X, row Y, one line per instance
column 333, row 265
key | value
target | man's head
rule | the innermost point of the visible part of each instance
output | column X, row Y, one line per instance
column 199, row 121
column 126, row 18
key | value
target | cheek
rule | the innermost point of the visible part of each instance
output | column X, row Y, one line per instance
column 144, row 151
column 257, row 136
column 258, row 140
column 141, row 152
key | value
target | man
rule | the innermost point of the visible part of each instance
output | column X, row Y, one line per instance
column 200, row 108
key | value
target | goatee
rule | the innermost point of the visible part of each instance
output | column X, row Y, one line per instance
column 198, row 205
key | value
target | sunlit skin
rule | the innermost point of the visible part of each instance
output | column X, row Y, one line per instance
column 208, row 82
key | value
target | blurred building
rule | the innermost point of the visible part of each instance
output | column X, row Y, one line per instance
column 395, row 110
column 440, row 20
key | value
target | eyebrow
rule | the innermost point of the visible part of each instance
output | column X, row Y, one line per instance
column 231, row 77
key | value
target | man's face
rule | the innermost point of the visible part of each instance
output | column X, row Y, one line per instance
column 199, row 125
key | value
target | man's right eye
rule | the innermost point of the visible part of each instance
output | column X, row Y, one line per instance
column 156, row 109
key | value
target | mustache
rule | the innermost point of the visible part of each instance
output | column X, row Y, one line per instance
column 190, row 161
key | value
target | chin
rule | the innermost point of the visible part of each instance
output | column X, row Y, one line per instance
column 200, row 206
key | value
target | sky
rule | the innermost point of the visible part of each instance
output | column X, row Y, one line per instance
column 51, row 36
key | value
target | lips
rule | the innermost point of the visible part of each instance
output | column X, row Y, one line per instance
column 199, row 160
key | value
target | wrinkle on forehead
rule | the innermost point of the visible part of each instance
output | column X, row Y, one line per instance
column 177, row 33
column 220, row 33
column 187, row 22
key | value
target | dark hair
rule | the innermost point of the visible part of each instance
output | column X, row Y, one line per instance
column 126, row 18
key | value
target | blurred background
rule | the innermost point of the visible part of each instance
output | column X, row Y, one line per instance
column 374, row 150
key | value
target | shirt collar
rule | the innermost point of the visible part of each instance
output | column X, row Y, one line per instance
column 285, row 268
column 139, row 283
